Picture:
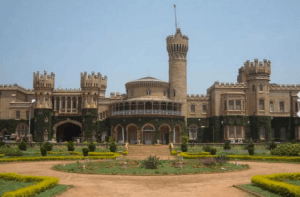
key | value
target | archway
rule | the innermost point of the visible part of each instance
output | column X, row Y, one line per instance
column 3, row 133
column 21, row 131
column 148, row 134
column 165, row 133
column 132, row 133
column 177, row 134
column 119, row 132
column 67, row 132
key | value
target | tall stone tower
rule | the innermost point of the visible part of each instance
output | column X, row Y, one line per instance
column 177, row 47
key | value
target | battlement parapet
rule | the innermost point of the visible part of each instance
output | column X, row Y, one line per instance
column 93, row 80
column 198, row 96
column 227, row 85
column 117, row 95
column 15, row 86
column 177, row 45
column 256, row 67
column 43, row 80
column 274, row 86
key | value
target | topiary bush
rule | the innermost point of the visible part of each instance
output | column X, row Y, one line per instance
column 22, row 146
column 286, row 150
column 43, row 151
column 113, row 145
column 251, row 151
column 227, row 145
column 213, row 151
column 48, row 146
column 206, row 148
column 92, row 147
column 8, row 151
column 272, row 145
column 184, row 147
column 85, row 151
column 71, row 146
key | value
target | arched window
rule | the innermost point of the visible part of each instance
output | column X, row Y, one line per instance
column 281, row 106
column 193, row 132
column 261, row 88
column 261, row 104
column 262, row 133
column 18, row 114
column 271, row 107
column 253, row 88
column 282, row 133
column 193, row 108
column 204, row 108
column 148, row 92
column 174, row 93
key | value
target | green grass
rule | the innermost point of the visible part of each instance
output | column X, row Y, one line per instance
column 6, row 186
column 134, row 168
column 259, row 190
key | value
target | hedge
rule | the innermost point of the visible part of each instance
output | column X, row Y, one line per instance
column 43, row 184
column 1, row 155
column 173, row 152
column 273, row 183
column 125, row 152
column 187, row 155
column 102, row 154
column 53, row 158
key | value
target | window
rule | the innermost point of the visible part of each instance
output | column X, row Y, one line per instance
column 204, row 108
column 231, row 107
column 261, row 88
column 148, row 92
column 282, row 133
column 193, row 108
column 204, row 122
column 262, row 133
column 225, row 105
column 253, row 88
column 271, row 107
column 18, row 114
column 231, row 132
column 193, row 132
column 174, row 93
column 281, row 106
column 27, row 115
column 132, row 92
column 239, row 132
column 261, row 104
column 238, row 105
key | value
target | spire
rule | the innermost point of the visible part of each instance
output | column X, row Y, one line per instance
column 175, row 17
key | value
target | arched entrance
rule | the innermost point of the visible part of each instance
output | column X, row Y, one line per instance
column 3, row 133
column 177, row 133
column 148, row 134
column 132, row 133
column 120, row 134
column 165, row 133
column 21, row 131
column 67, row 130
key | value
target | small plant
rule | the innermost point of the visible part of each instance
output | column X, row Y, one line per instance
column 251, row 151
column 273, row 145
column 173, row 152
column 85, row 151
column 227, row 145
column 206, row 148
column 43, row 151
column 22, row 146
column 222, row 159
column 209, row 161
column 125, row 152
column 113, row 145
column 184, row 147
column 71, row 146
column 48, row 146
column 85, row 142
column 213, row 151
column 151, row 162
column 92, row 147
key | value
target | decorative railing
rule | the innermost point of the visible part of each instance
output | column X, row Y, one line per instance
column 146, row 111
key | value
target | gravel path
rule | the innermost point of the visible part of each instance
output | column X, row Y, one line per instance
column 151, row 186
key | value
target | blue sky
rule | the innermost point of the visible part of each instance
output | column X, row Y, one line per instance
column 126, row 40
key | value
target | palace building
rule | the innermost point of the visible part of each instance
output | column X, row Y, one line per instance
column 153, row 111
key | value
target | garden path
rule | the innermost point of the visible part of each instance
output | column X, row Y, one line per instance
column 142, row 152
column 151, row 186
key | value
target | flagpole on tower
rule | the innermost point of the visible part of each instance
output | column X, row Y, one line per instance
column 175, row 17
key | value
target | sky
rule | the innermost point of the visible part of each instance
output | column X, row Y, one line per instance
column 126, row 40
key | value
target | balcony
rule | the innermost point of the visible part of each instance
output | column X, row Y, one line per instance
column 147, row 111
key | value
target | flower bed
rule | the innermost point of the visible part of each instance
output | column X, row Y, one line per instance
column 273, row 183
column 102, row 154
column 43, row 184
column 53, row 158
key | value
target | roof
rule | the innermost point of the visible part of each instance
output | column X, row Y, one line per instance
column 148, row 79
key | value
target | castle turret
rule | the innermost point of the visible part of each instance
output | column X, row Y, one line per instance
column 43, row 87
column 177, row 47
column 93, row 86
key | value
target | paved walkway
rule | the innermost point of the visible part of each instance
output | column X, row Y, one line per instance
column 142, row 152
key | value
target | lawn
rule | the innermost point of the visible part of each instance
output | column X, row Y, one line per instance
column 6, row 186
column 133, row 167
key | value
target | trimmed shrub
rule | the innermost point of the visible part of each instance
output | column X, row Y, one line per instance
column 151, row 162
column 213, row 151
column 173, row 152
column 48, row 146
column 251, row 151
column 227, row 145
column 286, row 150
column 85, row 151
column 43, row 151
column 22, row 146
column 113, row 145
column 125, row 152
column 13, row 152
column 184, row 147
column 206, row 148
column 71, row 146
column 92, row 147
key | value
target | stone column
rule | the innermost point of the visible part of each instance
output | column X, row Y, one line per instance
column 54, row 104
column 77, row 104
column 144, row 107
column 152, row 107
column 71, row 104
column 234, row 129
column 66, row 99
column 59, row 104
column 123, row 134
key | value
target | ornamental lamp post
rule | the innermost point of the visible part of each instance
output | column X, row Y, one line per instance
column 32, row 102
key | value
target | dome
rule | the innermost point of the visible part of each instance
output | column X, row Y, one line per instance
column 148, row 79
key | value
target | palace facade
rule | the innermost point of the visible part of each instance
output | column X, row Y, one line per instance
column 153, row 111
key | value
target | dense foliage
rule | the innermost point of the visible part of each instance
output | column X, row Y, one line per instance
column 286, row 150
column 113, row 145
column 184, row 147
column 227, row 145
column 43, row 151
column 22, row 146
column 92, row 147
column 48, row 146
column 151, row 162
column 85, row 151
column 8, row 151
column 71, row 146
